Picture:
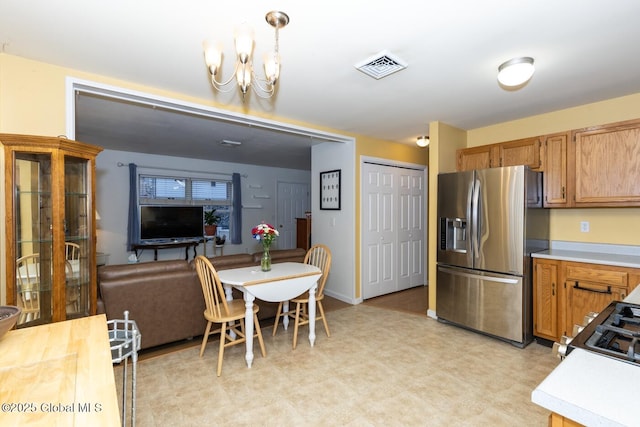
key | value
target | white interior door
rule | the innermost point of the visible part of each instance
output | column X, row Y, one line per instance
column 393, row 238
column 379, row 242
column 411, row 234
column 293, row 201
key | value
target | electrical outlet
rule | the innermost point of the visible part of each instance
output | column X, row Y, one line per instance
column 584, row 226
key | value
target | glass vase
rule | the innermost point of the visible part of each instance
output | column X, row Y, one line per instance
column 265, row 261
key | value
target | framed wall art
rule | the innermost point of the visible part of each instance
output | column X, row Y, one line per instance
column 330, row 190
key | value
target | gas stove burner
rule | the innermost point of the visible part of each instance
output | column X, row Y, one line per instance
column 615, row 332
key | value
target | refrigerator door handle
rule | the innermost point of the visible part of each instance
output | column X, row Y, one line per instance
column 477, row 276
column 475, row 218
column 470, row 225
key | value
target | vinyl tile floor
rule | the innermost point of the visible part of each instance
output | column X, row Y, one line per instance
column 382, row 366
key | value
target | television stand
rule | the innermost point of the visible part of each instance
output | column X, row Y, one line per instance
column 186, row 244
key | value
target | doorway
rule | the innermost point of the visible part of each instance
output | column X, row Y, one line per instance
column 393, row 227
column 293, row 202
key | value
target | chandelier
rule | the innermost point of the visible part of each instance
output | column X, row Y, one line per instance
column 244, row 73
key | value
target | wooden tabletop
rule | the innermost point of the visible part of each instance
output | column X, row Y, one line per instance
column 59, row 374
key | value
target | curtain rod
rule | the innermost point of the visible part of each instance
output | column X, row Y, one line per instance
column 120, row 164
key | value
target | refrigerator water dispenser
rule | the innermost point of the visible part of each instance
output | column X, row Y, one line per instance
column 453, row 234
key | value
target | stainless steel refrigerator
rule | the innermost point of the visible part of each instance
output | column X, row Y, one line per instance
column 490, row 221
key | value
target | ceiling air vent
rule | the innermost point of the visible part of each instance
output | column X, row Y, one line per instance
column 381, row 65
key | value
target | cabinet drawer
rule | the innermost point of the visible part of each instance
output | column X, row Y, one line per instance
column 610, row 277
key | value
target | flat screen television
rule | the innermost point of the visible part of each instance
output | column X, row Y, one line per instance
column 171, row 222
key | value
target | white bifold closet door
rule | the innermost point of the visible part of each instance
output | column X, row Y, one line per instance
column 393, row 229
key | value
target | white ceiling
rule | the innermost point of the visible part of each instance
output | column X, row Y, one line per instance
column 584, row 50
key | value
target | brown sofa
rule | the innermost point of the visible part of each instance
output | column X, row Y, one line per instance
column 165, row 298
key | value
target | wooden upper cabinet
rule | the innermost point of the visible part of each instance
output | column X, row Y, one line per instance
column 607, row 165
column 521, row 152
column 482, row 157
column 512, row 153
column 556, row 189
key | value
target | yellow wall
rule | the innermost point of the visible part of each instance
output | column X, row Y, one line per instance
column 607, row 225
column 445, row 140
column 565, row 223
column 384, row 150
column 32, row 101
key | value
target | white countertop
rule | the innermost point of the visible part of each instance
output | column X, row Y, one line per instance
column 592, row 389
column 617, row 255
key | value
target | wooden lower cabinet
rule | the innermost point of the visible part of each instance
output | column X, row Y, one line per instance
column 590, row 288
column 564, row 292
column 545, row 299
column 556, row 420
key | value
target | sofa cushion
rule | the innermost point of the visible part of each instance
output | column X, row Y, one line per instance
column 283, row 255
column 232, row 261
column 163, row 297
column 118, row 271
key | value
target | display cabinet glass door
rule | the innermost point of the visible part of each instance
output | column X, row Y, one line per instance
column 34, row 238
column 77, row 240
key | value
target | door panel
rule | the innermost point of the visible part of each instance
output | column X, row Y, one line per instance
column 393, row 229
column 500, row 228
column 379, row 238
column 454, row 197
column 489, row 303
column 293, row 202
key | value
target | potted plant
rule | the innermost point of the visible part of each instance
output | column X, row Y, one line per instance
column 211, row 222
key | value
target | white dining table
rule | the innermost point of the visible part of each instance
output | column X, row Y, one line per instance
column 283, row 282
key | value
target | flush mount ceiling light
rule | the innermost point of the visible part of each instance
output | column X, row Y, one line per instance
column 516, row 71
column 422, row 141
column 244, row 73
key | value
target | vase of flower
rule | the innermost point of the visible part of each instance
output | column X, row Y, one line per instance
column 266, row 234
column 265, row 261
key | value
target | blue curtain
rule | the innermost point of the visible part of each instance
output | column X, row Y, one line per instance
column 133, row 225
column 236, row 218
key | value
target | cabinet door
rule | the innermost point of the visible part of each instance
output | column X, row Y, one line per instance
column 77, row 225
column 555, row 173
column 33, row 278
column 521, row 152
column 545, row 299
column 483, row 157
column 607, row 165
column 585, row 297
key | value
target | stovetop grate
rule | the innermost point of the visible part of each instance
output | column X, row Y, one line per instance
column 615, row 332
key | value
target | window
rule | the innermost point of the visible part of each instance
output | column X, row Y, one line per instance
column 175, row 190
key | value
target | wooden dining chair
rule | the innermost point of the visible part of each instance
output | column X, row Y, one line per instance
column 72, row 289
column 28, row 281
column 320, row 256
column 226, row 313
column 71, row 251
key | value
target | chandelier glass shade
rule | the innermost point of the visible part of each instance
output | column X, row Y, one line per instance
column 244, row 73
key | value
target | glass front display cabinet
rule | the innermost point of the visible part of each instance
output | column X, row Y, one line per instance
column 49, row 228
